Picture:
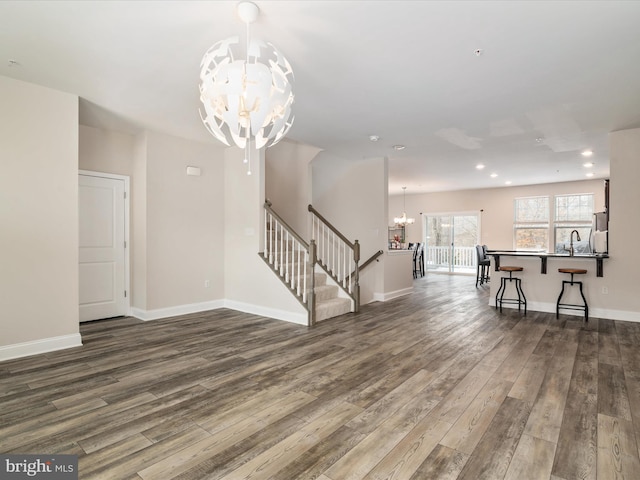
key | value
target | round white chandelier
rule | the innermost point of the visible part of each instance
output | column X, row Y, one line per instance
column 246, row 100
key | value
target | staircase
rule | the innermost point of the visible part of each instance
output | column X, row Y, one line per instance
column 328, row 302
column 326, row 293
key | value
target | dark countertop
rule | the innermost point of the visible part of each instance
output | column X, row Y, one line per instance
column 529, row 253
column 598, row 257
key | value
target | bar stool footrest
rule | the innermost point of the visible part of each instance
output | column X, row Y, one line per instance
column 521, row 301
column 572, row 306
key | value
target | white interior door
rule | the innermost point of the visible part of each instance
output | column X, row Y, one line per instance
column 102, row 247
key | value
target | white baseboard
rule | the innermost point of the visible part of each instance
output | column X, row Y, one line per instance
column 43, row 345
column 386, row 296
column 146, row 315
column 615, row 314
column 159, row 313
column 46, row 345
column 293, row 317
column 546, row 307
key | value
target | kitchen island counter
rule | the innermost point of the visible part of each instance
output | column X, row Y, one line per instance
column 544, row 256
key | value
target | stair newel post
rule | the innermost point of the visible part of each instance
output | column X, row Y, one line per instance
column 311, row 299
column 356, row 276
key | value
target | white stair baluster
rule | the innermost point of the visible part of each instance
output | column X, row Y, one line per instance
column 345, row 272
column 281, row 248
column 304, row 277
column 300, row 248
column 333, row 253
column 285, row 261
column 273, row 246
column 323, row 256
column 276, row 260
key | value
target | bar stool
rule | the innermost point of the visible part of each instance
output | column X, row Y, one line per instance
column 571, row 306
column 418, row 260
column 521, row 300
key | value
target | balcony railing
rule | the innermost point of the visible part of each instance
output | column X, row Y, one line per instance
column 456, row 257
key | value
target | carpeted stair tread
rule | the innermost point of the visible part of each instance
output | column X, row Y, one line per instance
column 332, row 308
column 326, row 292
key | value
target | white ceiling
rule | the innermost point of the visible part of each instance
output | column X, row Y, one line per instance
column 565, row 73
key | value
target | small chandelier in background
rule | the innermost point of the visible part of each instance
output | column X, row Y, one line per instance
column 246, row 100
column 403, row 220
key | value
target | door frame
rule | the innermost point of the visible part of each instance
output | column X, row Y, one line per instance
column 127, row 196
column 476, row 213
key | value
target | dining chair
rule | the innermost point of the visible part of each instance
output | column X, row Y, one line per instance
column 482, row 271
column 418, row 260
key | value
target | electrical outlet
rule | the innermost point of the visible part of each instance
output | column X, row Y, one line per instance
column 605, row 290
column 206, row 284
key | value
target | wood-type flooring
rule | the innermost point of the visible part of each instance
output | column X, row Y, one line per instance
column 433, row 385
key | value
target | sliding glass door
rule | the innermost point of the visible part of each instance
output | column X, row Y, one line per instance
column 450, row 242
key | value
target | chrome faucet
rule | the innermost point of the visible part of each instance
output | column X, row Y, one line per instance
column 571, row 250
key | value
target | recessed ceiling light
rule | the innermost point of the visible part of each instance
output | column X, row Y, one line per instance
column 493, row 175
column 590, row 174
column 399, row 147
column 508, row 182
column 374, row 138
column 479, row 166
column 588, row 164
column 587, row 153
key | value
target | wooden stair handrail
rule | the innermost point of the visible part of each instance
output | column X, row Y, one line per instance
column 370, row 260
column 292, row 232
column 331, row 227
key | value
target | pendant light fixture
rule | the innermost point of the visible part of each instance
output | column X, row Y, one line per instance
column 246, row 101
column 403, row 220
